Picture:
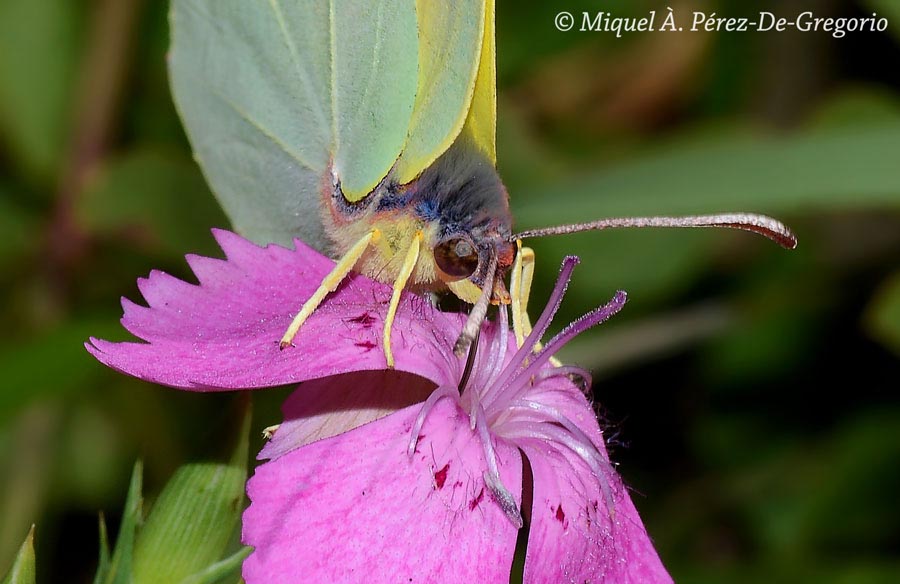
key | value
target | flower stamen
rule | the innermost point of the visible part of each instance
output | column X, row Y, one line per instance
column 509, row 399
column 569, row 371
column 568, row 434
column 571, row 331
column 444, row 391
column 540, row 327
column 492, row 475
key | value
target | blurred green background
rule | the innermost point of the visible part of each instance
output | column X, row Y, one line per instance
column 749, row 393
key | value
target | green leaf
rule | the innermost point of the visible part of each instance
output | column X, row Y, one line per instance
column 29, row 447
column 883, row 314
column 120, row 567
column 38, row 52
column 103, row 563
column 193, row 520
column 22, row 571
column 157, row 197
column 215, row 572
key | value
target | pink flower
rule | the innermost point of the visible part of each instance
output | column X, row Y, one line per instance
column 365, row 481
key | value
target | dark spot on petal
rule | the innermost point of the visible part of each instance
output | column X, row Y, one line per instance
column 474, row 502
column 440, row 477
column 419, row 443
column 367, row 345
column 560, row 515
column 364, row 319
column 457, row 484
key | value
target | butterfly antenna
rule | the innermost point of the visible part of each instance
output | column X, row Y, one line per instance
column 479, row 311
column 761, row 224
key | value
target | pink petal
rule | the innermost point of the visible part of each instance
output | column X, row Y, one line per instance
column 323, row 408
column 224, row 332
column 356, row 508
column 574, row 535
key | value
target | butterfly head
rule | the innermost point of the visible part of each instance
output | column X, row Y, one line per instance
column 462, row 197
column 467, row 261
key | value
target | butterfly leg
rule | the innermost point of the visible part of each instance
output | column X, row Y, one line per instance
column 409, row 263
column 328, row 285
column 520, row 290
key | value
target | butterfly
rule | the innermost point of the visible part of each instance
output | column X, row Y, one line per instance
column 367, row 128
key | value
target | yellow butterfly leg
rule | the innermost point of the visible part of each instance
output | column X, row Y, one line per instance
column 520, row 289
column 409, row 263
column 328, row 285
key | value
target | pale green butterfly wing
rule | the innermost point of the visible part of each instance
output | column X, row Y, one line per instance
column 272, row 91
column 374, row 47
column 450, row 39
column 481, row 121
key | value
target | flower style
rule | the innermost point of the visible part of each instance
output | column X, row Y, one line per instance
column 365, row 480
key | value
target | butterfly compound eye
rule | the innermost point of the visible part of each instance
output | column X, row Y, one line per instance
column 456, row 257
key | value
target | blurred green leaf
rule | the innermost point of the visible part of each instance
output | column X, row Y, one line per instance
column 883, row 314
column 856, row 107
column 609, row 349
column 154, row 198
column 120, row 567
column 854, row 508
column 889, row 9
column 193, row 520
column 54, row 362
column 648, row 264
column 831, row 569
column 772, row 337
column 38, row 54
column 28, row 452
column 802, row 499
column 842, row 168
column 103, row 562
column 776, row 500
column 93, row 452
column 17, row 231
column 22, row 571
